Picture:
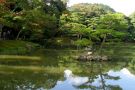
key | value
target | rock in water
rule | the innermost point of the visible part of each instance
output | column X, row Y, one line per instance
column 89, row 53
column 90, row 57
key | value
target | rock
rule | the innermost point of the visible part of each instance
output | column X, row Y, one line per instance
column 75, row 57
column 82, row 57
column 89, row 53
column 89, row 48
column 104, row 58
column 91, row 57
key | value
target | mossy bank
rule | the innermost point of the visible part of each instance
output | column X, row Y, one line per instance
column 11, row 47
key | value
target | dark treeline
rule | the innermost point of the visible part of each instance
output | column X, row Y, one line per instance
column 32, row 20
column 51, row 20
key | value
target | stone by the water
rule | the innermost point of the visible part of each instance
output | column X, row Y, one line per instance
column 89, row 53
column 90, row 57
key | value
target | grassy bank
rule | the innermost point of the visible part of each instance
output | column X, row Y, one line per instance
column 15, row 57
column 17, row 47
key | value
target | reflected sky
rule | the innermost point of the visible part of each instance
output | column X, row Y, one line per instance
column 71, row 81
column 125, row 81
column 48, row 74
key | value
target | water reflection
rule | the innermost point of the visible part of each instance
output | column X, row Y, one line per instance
column 112, row 80
column 118, row 74
column 71, row 81
column 126, row 81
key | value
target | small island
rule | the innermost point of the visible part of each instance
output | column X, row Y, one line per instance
column 91, row 57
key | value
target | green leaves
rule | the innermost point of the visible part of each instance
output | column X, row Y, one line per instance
column 132, row 16
column 83, row 42
column 108, row 33
column 31, row 16
column 115, row 21
column 91, row 10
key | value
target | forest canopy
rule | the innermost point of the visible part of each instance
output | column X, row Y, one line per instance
column 45, row 20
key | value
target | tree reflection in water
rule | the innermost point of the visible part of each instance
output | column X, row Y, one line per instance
column 48, row 74
column 112, row 80
column 71, row 81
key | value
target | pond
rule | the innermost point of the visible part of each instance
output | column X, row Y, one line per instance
column 55, row 69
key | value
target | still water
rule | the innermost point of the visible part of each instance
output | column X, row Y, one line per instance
column 57, row 70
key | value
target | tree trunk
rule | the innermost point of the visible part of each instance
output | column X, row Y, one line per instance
column 18, row 34
column 102, row 44
column 101, row 77
column 1, row 26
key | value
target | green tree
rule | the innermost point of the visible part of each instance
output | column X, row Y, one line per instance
column 36, row 19
column 115, row 21
column 132, row 17
column 91, row 10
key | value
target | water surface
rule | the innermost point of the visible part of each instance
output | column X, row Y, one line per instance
column 48, row 72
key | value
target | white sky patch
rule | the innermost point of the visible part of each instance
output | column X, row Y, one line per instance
column 124, row 6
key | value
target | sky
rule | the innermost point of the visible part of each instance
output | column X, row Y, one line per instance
column 124, row 6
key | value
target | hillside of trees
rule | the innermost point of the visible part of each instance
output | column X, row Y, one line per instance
column 51, row 21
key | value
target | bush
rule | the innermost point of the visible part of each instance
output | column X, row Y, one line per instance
column 83, row 42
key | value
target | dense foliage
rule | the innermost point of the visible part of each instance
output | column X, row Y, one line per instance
column 104, row 25
column 43, row 20
column 91, row 10
column 30, row 19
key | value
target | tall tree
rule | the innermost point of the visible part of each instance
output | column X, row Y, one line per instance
column 91, row 10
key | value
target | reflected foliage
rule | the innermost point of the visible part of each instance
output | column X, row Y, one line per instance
column 45, row 74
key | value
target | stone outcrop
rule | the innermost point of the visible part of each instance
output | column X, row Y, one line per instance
column 92, row 57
